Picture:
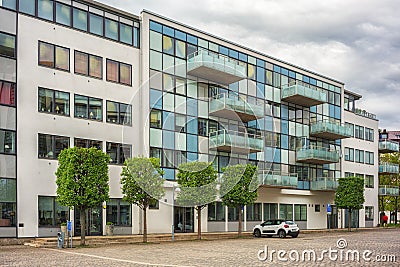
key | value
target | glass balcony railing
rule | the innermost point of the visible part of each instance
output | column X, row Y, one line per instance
column 324, row 184
column 330, row 130
column 278, row 179
column 388, row 168
column 317, row 155
column 299, row 93
column 387, row 146
column 233, row 107
column 238, row 142
column 215, row 67
column 388, row 190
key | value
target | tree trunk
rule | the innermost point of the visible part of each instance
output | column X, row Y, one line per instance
column 349, row 222
column 145, row 224
column 83, row 226
column 240, row 222
column 198, row 208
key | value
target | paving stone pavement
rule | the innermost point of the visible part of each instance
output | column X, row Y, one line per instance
column 233, row 252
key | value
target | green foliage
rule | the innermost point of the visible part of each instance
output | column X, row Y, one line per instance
column 350, row 193
column 237, row 185
column 198, row 184
column 82, row 177
column 141, row 181
column 389, row 202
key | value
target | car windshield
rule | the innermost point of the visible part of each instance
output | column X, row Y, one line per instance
column 289, row 222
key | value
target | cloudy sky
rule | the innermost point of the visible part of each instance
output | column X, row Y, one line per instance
column 356, row 42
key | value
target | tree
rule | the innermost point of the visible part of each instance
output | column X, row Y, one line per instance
column 141, row 183
column 198, row 185
column 82, row 180
column 390, row 203
column 350, row 195
column 238, row 188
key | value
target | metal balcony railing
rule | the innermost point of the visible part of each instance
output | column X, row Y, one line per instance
column 388, row 146
column 317, row 155
column 388, row 168
column 324, row 184
column 239, row 142
column 330, row 130
column 299, row 93
column 278, row 179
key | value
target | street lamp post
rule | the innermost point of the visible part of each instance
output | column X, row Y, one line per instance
column 177, row 190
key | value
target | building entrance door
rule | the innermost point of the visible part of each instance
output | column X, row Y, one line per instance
column 94, row 222
column 354, row 219
column 183, row 220
column 333, row 218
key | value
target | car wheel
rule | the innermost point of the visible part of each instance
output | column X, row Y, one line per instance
column 295, row 235
column 257, row 233
column 282, row 233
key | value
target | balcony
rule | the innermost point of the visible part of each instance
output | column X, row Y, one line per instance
column 236, row 142
column 388, row 168
column 330, row 130
column 387, row 146
column 317, row 155
column 324, row 184
column 233, row 107
column 278, row 179
column 214, row 67
column 388, row 190
column 298, row 93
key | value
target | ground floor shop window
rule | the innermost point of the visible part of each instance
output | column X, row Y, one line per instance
column 286, row 211
column 270, row 211
column 300, row 212
column 51, row 213
column 216, row 211
column 253, row 212
column 119, row 212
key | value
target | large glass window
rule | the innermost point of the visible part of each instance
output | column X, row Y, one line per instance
column 119, row 72
column 50, row 146
column 45, row 9
column 86, row 143
column 348, row 154
column 119, row 113
column 63, row 14
column 7, row 45
column 53, row 56
column 7, row 93
column 112, row 71
column 111, row 29
column 369, row 213
column 80, row 19
column 270, row 211
column 253, row 212
column 11, row 4
column 52, row 101
column 88, row 108
column 51, row 214
column 7, row 142
column 125, row 32
column 233, row 214
column 118, row 152
column 8, row 197
column 286, row 211
column 216, row 211
column 119, row 212
column 27, row 7
column 62, row 58
column 46, row 54
column 300, row 212
column 156, row 118
column 96, row 24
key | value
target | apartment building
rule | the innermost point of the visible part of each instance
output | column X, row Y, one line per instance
column 81, row 73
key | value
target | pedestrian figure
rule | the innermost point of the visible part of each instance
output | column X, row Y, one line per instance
column 385, row 220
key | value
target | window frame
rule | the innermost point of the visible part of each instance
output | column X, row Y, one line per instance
column 369, row 213
column 14, row 56
column 118, row 223
column 88, row 98
column 88, row 72
column 301, row 212
column 14, row 144
column 119, row 72
column 54, row 219
column 55, row 56
column 13, row 86
column 53, row 149
column 119, row 148
column 119, row 113
column 54, row 102
column 369, row 181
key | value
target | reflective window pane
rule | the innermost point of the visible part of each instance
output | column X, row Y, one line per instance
column 46, row 54
column 46, row 144
column 7, row 142
column 96, row 66
column 112, row 151
column 61, row 103
column 125, row 114
column 7, row 45
column 168, row 45
column 45, row 9
column 61, row 143
column 180, row 49
column 63, row 14
column 112, row 71
column 112, row 112
column 81, row 106
column 46, row 100
column 81, row 63
column 7, row 93
column 125, row 32
column 125, row 74
column 96, row 24
column 8, row 190
column 111, row 29
column 80, row 19
column 96, row 109
column 11, row 4
column 27, row 7
column 62, row 58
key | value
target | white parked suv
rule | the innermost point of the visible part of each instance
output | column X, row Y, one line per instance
column 282, row 228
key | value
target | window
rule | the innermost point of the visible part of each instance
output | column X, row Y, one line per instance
column 119, row 212
column 154, row 204
column 270, row 211
column 7, row 93
column 348, row 174
column 80, row 19
column 317, row 208
column 54, row 102
column 89, row 65
column 53, row 56
column 88, row 108
column 63, row 14
column 27, row 7
column 119, row 113
column 233, row 214
column 45, row 9
column 351, row 126
column 50, row 146
column 7, row 45
column 369, row 158
column 359, row 132
column 51, row 214
column 369, row 134
column 85, row 143
column 8, row 198
column 125, row 33
column 202, row 127
column 369, row 213
column 286, row 211
column 300, row 212
column 11, row 4
column 369, row 181
column 349, row 154
column 156, row 118
column 111, row 29
column 119, row 72
column 96, row 24
column 359, row 156
column 7, row 142
column 253, row 212
column 118, row 152
column 216, row 211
